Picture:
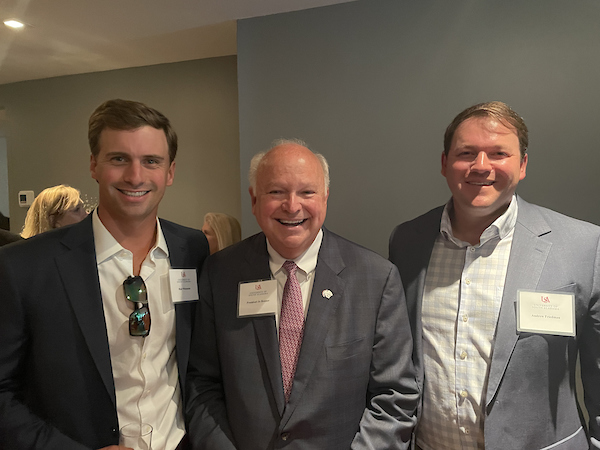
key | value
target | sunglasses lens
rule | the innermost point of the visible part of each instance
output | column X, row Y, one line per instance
column 135, row 290
column 139, row 322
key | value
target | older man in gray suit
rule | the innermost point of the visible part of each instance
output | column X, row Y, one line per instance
column 503, row 296
column 327, row 368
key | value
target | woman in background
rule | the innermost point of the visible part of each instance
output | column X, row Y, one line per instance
column 54, row 207
column 221, row 230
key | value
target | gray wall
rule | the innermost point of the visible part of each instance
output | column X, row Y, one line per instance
column 373, row 84
column 46, row 132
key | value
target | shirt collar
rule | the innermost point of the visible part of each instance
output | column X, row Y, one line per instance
column 307, row 261
column 501, row 227
column 107, row 246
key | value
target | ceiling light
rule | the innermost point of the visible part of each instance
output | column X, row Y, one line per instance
column 13, row 24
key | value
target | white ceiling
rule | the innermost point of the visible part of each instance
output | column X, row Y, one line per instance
column 65, row 37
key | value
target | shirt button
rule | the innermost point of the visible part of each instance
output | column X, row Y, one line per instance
column 464, row 393
column 144, row 356
column 285, row 436
column 466, row 431
column 472, row 249
column 463, row 355
column 467, row 281
column 465, row 318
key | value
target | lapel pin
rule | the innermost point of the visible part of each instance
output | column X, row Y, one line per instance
column 327, row 294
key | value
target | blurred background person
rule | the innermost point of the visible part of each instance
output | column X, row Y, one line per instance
column 54, row 207
column 221, row 230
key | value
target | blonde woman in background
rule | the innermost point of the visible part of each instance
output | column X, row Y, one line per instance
column 221, row 230
column 54, row 207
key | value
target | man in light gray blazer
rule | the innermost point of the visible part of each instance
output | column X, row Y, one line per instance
column 354, row 384
column 503, row 296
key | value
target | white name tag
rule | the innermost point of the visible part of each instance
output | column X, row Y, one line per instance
column 184, row 285
column 257, row 298
column 546, row 312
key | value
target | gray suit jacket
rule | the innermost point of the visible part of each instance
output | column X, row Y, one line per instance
column 530, row 400
column 56, row 384
column 354, row 385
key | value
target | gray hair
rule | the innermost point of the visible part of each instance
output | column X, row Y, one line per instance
column 257, row 159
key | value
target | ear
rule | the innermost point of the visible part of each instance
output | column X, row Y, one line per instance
column 93, row 164
column 252, row 199
column 523, row 170
column 444, row 162
column 171, row 174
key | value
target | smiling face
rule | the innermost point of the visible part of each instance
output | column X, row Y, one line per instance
column 132, row 170
column 290, row 202
column 483, row 167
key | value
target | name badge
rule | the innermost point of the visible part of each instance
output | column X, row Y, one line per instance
column 546, row 312
column 257, row 298
column 184, row 285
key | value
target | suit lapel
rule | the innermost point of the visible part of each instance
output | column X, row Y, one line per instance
column 79, row 274
column 256, row 267
column 180, row 258
column 528, row 256
column 321, row 311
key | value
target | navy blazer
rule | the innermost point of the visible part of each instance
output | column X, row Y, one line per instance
column 56, row 384
column 531, row 400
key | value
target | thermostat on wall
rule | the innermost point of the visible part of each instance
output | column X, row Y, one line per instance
column 26, row 198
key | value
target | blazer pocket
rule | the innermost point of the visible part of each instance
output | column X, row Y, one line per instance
column 571, row 288
column 344, row 351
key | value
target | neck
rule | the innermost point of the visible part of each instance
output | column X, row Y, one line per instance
column 136, row 236
column 469, row 227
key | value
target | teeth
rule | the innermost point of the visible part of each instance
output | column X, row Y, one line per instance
column 135, row 193
column 480, row 184
column 291, row 222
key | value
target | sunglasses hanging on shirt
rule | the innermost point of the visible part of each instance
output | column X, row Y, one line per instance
column 139, row 320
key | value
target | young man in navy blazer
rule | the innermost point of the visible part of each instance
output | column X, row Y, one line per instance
column 92, row 336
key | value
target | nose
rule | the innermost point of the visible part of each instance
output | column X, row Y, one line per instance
column 133, row 174
column 292, row 204
column 481, row 163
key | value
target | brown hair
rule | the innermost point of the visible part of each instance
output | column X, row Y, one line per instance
column 120, row 114
column 496, row 110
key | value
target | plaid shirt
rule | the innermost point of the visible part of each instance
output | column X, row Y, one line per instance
column 461, row 302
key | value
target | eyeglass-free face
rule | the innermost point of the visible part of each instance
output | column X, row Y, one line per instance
column 139, row 320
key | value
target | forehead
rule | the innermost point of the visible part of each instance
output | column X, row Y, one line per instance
column 482, row 129
column 290, row 164
column 145, row 139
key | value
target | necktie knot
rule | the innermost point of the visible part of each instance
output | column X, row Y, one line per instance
column 290, row 267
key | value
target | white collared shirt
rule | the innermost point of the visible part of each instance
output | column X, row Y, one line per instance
column 144, row 370
column 307, row 263
column 461, row 303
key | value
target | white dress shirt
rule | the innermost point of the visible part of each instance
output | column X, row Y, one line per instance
column 461, row 303
column 307, row 262
column 144, row 370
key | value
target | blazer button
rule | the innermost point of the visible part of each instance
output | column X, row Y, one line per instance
column 285, row 436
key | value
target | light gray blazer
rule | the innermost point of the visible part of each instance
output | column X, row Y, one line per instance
column 530, row 401
column 355, row 383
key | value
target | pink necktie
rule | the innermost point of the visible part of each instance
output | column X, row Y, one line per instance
column 291, row 327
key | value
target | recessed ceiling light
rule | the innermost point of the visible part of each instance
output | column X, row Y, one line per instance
column 13, row 24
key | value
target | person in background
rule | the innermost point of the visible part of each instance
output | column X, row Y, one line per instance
column 221, row 230
column 97, row 317
column 503, row 296
column 316, row 354
column 54, row 207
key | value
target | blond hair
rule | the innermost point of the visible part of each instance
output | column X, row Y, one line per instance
column 226, row 228
column 47, row 205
